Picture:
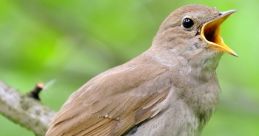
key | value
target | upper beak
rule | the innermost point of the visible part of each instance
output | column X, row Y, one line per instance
column 210, row 32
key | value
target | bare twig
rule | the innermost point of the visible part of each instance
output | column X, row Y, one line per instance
column 35, row 92
column 24, row 110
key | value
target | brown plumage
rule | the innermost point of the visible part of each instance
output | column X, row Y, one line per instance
column 169, row 90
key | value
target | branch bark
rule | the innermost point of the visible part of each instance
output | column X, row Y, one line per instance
column 24, row 110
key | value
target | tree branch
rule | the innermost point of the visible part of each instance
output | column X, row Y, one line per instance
column 24, row 110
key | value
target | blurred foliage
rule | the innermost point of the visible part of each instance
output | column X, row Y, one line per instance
column 70, row 41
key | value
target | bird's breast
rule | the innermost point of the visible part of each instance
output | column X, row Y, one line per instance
column 178, row 119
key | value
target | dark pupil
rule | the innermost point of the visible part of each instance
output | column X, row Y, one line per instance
column 187, row 23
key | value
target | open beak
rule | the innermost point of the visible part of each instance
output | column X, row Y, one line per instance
column 210, row 32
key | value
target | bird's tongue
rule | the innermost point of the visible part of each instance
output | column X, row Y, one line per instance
column 210, row 32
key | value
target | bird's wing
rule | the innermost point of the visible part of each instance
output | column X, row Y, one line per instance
column 113, row 102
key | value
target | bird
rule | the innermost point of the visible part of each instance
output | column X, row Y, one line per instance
column 171, row 89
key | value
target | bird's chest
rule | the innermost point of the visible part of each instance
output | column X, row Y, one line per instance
column 201, row 98
column 190, row 107
column 198, row 89
column 187, row 109
column 177, row 120
column 180, row 120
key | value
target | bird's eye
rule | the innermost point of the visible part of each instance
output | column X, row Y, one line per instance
column 187, row 22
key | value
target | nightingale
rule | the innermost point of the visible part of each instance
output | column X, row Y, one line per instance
column 169, row 90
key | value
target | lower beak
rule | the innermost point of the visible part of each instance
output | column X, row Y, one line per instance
column 210, row 32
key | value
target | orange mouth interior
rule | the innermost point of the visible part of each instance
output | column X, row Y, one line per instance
column 210, row 32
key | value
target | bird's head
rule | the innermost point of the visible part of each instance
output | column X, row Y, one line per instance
column 193, row 31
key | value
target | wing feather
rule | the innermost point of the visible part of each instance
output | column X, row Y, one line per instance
column 113, row 102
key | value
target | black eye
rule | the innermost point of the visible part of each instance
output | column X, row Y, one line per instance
column 187, row 23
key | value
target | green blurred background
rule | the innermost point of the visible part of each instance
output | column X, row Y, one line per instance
column 70, row 41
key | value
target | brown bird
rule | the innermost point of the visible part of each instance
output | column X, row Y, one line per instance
column 169, row 90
